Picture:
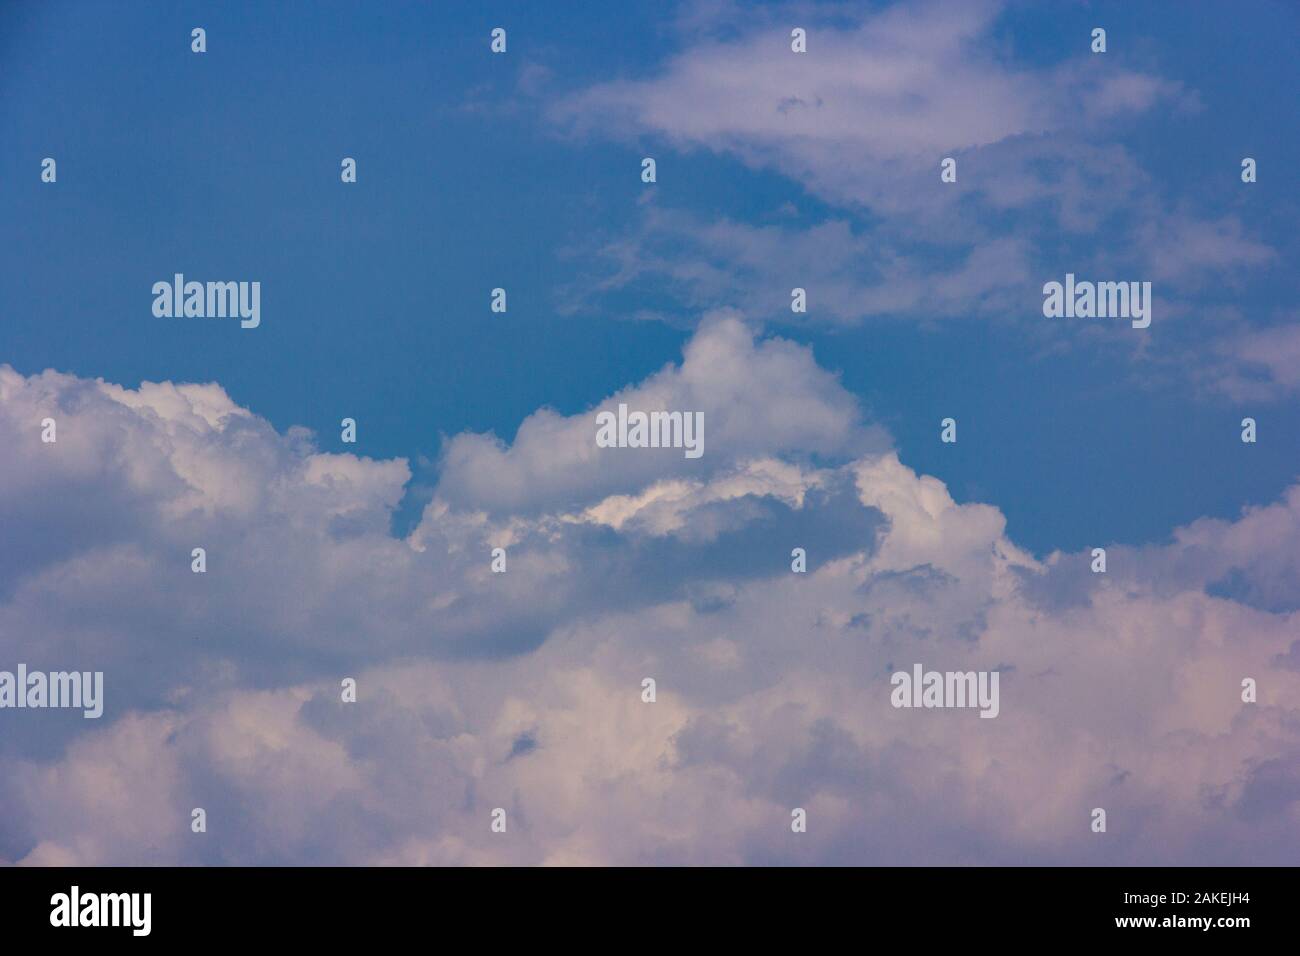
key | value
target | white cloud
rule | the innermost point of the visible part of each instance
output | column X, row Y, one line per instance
column 848, row 277
column 1045, row 180
column 757, row 397
column 1258, row 364
column 1119, row 690
column 865, row 116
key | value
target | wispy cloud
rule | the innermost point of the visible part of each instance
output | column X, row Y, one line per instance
column 1045, row 181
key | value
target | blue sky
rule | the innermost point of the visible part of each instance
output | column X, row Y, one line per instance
column 774, row 170
column 227, row 165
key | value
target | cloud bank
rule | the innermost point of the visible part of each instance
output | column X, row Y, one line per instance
column 522, row 690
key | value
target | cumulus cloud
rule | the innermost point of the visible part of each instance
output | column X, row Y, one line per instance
column 523, row 690
column 757, row 398
column 302, row 569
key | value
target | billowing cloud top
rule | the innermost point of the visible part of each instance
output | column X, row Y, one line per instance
column 523, row 690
